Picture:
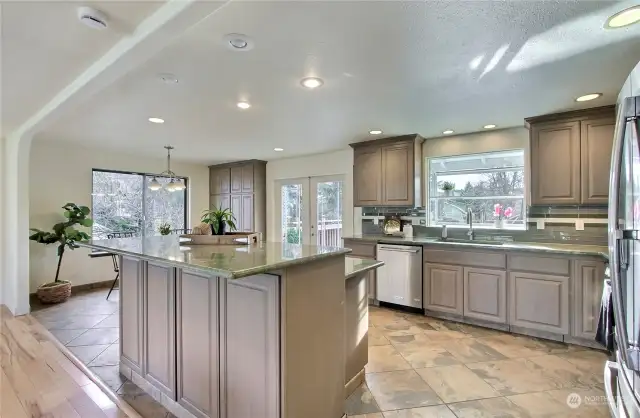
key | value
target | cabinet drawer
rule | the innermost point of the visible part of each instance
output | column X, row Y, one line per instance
column 465, row 258
column 547, row 265
column 361, row 249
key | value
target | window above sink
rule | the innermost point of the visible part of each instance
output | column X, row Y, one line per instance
column 479, row 182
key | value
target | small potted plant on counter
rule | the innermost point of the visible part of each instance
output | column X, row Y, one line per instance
column 448, row 187
column 66, row 236
column 164, row 229
column 219, row 219
column 500, row 213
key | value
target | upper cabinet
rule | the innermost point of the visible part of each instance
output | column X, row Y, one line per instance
column 387, row 172
column 571, row 157
column 220, row 180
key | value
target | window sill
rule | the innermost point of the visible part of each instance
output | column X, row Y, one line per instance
column 484, row 227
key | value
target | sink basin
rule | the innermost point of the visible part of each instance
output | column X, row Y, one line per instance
column 470, row 241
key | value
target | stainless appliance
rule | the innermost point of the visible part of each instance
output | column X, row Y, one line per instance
column 622, row 374
column 399, row 281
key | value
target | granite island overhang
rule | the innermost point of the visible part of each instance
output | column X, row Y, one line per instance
column 255, row 331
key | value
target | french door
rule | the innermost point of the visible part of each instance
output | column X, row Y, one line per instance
column 310, row 209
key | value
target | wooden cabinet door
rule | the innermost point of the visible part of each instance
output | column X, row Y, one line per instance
column 198, row 345
column 236, row 179
column 220, row 180
column 443, row 288
column 485, row 294
column 539, row 302
column 367, row 177
column 596, row 142
column 236, row 209
column 247, row 213
column 587, row 291
column 397, row 175
column 131, row 314
column 220, row 200
column 555, row 163
column 160, row 328
column 251, row 350
column 247, row 178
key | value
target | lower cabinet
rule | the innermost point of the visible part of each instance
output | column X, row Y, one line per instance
column 587, row 289
column 131, row 314
column 198, row 351
column 159, row 328
column 485, row 294
column 371, row 285
column 443, row 288
column 539, row 302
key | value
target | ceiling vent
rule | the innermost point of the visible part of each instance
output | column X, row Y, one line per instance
column 92, row 18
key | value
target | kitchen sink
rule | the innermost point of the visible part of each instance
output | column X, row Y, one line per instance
column 470, row 241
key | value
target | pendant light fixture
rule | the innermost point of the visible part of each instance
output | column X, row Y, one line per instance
column 175, row 184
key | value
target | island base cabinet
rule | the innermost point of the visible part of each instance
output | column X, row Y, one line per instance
column 131, row 313
column 443, row 288
column 198, row 351
column 250, row 349
column 485, row 294
column 539, row 302
column 159, row 327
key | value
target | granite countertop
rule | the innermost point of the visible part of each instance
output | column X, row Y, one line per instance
column 354, row 266
column 229, row 261
column 571, row 249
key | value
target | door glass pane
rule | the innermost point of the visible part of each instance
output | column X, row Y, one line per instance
column 163, row 206
column 117, row 203
column 329, row 210
column 291, row 213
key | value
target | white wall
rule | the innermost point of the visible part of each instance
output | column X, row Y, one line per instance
column 333, row 163
column 61, row 173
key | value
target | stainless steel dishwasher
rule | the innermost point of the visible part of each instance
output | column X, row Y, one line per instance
column 399, row 281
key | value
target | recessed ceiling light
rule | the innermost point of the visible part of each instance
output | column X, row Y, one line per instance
column 447, row 132
column 278, row 149
column 587, row 97
column 93, row 18
column 156, row 120
column 489, row 126
column 243, row 105
column 375, row 132
column 311, row 82
column 624, row 18
column 237, row 42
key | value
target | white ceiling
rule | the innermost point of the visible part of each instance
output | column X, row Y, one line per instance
column 45, row 47
column 402, row 67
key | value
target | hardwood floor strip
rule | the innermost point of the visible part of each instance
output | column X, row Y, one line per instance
column 10, row 406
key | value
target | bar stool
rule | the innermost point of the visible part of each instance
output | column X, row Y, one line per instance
column 114, row 257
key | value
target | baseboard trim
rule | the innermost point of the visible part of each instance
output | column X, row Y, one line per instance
column 354, row 384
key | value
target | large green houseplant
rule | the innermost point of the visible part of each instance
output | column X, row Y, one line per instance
column 219, row 219
column 66, row 236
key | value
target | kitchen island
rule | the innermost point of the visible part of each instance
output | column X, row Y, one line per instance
column 255, row 331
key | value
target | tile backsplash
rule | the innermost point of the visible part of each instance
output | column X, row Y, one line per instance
column 578, row 224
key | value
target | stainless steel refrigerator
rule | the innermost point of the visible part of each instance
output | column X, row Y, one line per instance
column 622, row 373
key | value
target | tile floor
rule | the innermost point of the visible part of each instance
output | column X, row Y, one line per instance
column 421, row 367
column 87, row 324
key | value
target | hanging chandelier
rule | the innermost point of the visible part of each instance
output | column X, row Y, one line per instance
column 175, row 184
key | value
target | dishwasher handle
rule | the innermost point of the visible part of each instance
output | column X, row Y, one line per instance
column 401, row 250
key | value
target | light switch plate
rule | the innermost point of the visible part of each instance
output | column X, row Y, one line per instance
column 579, row 225
column 540, row 223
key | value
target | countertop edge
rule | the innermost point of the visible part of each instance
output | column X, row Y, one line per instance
column 227, row 274
column 364, row 269
column 506, row 247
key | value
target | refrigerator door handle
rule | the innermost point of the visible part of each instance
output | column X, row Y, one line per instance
column 622, row 338
column 610, row 378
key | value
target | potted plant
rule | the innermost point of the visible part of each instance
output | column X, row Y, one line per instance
column 65, row 235
column 447, row 187
column 219, row 219
column 500, row 213
column 164, row 229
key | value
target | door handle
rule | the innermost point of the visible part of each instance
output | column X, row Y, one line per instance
column 399, row 250
column 610, row 374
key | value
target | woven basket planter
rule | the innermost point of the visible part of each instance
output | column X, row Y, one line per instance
column 55, row 292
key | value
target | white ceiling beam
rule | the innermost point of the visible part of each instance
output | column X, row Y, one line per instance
column 161, row 28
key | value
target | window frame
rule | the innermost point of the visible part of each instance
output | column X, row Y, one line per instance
column 428, row 182
column 144, row 191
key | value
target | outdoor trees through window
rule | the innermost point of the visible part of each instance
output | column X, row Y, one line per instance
column 123, row 202
column 479, row 182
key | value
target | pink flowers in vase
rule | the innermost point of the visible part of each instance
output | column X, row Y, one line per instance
column 499, row 211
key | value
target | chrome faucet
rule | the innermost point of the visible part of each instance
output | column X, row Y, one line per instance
column 470, row 222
